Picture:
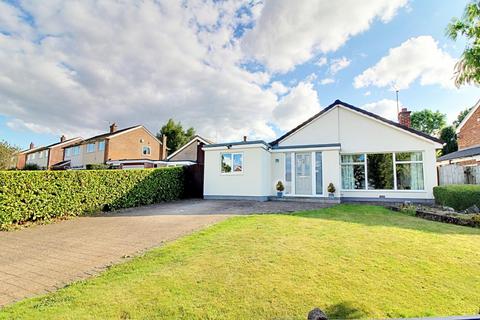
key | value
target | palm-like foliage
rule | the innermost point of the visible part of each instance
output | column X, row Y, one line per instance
column 467, row 69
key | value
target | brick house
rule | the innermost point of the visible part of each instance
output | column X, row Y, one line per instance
column 45, row 157
column 133, row 144
column 468, row 139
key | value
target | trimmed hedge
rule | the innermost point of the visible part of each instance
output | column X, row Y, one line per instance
column 459, row 197
column 41, row 195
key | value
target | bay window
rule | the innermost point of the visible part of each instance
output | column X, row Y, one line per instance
column 382, row 171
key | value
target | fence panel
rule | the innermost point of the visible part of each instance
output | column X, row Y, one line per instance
column 456, row 174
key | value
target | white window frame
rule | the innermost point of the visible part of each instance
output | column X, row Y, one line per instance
column 149, row 150
column 68, row 152
column 394, row 162
column 76, row 151
column 101, row 145
column 232, row 172
column 92, row 150
column 313, row 175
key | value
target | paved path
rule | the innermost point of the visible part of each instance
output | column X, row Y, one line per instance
column 44, row 258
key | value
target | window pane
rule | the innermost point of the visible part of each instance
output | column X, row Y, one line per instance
column 146, row 150
column 237, row 162
column 226, row 162
column 380, row 171
column 101, row 145
column 288, row 173
column 318, row 172
column 353, row 176
column 408, row 156
column 303, row 173
column 349, row 158
column 410, row 176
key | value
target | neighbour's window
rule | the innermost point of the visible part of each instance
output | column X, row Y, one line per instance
column 91, row 147
column 40, row 155
column 353, row 171
column 29, row 157
column 382, row 170
column 68, row 152
column 101, row 145
column 76, row 150
column 146, row 150
column 232, row 162
column 409, row 168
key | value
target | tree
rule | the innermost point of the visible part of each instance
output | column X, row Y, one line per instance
column 448, row 136
column 428, row 121
column 467, row 69
column 7, row 152
column 461, row 116
column 176, row 136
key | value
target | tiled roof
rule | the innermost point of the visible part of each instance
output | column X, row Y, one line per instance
column 470, row 152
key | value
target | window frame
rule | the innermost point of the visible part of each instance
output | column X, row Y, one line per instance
column 93, row 147
column 101, row 143
column 394, row 163
column 149, row 151
column 232, row 172
column 313, row 167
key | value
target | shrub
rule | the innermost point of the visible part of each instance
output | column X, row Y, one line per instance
column 31, row 166
column 97, row 166
column 280, row 186
column 41, row 195
column 459, row 197
column 331, row 188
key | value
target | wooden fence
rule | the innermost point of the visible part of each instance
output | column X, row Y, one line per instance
column 456, row 174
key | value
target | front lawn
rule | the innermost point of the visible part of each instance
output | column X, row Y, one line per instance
column 351, row 261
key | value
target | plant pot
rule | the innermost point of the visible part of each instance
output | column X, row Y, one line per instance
column 331, row 195
column 280, row 194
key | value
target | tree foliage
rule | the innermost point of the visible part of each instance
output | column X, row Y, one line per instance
column 7, row 151
column 176, row 136
column 447, row 135
column 467, row 69
column 428, row 121
column 461, row 116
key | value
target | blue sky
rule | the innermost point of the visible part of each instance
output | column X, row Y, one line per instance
column 228, row 69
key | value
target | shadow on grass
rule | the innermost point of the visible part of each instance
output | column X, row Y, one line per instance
column 344, row 310
column 378, row 216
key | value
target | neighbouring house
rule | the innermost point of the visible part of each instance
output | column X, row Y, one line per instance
column 366, row 158
column 45, row 157
column 135, row 146
column 468, row 139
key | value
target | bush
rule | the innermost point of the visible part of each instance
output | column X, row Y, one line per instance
column 97, row 166
column 41, row 195
column 31, row 166
column 459, row 197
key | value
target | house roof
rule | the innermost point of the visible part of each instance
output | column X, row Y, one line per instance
column 469, row 114
column 238, row 143
column 195, row 138
column 56, row 144
column 367, row 113
column 470, row 152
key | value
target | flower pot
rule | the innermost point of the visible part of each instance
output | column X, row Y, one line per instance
column 331, row 195
column 280, row 194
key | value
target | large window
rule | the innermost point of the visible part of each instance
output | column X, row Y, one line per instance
column 383, row 171
column 232, row 163
column 76, row 150
column 68, row 152
column 101, row 145
column 91, row 147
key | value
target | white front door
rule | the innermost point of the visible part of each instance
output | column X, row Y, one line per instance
column 303, row 173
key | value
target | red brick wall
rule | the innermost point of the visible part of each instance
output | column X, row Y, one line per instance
column 469, row 134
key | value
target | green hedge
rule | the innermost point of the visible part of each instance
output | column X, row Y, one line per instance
column 459, row 197
column 41, row 195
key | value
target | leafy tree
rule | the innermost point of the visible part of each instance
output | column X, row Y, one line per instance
column 176, row 136
column 467, row 69
column 7, row 151
column 428, row 121
column 448, row 136
column 461, row 116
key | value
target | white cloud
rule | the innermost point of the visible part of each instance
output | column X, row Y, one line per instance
column 367, row 93
column 339, row 64
column 417, row 58
column 322, row 61
column 278, row 88
column 327, row 81
column 300, row 104
column 386, row 108
column 289, row 33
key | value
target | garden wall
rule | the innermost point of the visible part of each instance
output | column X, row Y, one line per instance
column 41, row 195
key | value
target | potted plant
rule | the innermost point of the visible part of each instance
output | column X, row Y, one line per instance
column 280, row 187
column 331, row 190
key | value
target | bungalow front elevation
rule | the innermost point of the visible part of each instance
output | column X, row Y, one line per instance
column 365, row 157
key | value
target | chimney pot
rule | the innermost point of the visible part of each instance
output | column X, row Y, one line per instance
column 63, row 138
column 404, row 117
column 32, row 145
column 244, row 138
column 113, row 127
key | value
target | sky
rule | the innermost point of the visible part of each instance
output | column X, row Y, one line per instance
column 227, row 68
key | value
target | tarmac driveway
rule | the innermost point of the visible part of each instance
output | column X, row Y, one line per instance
column 44, row 258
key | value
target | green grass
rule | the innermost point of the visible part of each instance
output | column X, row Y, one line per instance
column 351, row 261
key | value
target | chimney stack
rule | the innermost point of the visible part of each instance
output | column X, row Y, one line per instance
column 32, row 145
column 63, row 138
column 244, row 138
column 404, row 117
column 163, row 156
column 113, row 127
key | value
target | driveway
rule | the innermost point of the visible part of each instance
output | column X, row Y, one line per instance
column 44, row 258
